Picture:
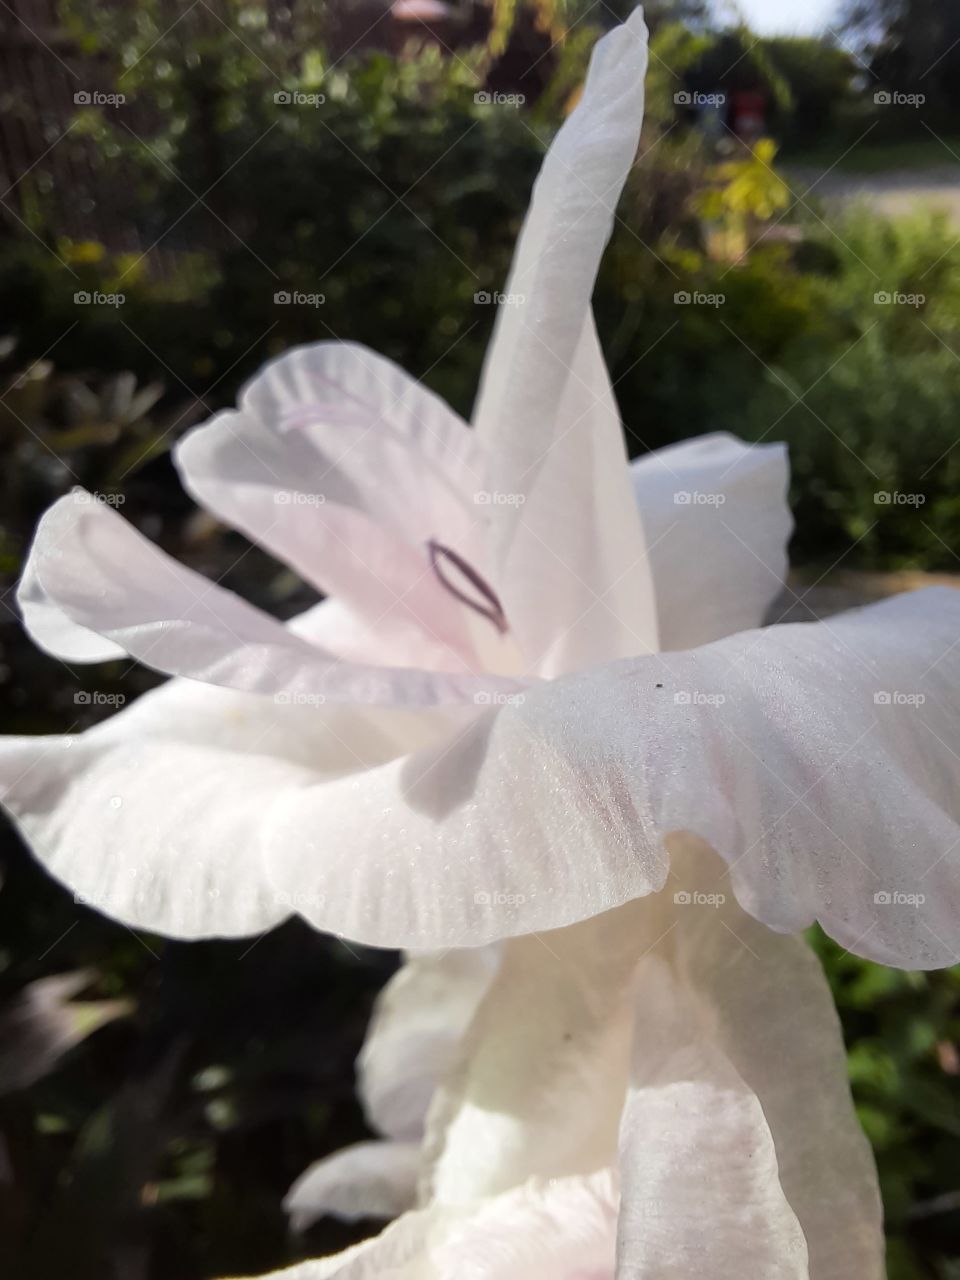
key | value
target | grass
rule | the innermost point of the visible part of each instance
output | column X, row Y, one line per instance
column 911, row 154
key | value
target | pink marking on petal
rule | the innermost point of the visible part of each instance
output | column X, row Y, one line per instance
column 488, row 606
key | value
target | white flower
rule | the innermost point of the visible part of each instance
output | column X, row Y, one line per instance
column 535, row 700
column 413, row 1043
column 659, row 1091
column 392, row 764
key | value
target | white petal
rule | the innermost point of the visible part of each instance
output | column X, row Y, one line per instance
column 566, row 529
column 347, row 469
column 160, row 835
column 701, row 1193
column 106, row 578
column 329, row 383
column 740, row 1139
column 397, row 1253
column 717, row 523
column 367, row 1180
column 157, row 816
column 334, row 627
column 414, row 1035
column 52, row 629
column 825, row 803
column 561, row 1230
column 542, row 1077
column 740, row 1125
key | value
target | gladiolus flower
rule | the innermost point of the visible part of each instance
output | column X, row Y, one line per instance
column 538, row 707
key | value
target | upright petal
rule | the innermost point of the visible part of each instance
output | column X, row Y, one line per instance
column 701, row 1195
column 569, row 549
column 738, row 1053
column 717, row 522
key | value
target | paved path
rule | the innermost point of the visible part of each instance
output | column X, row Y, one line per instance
column 894, row 193
column 811, row 595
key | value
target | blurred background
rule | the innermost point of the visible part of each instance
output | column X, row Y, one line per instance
column 190, row 188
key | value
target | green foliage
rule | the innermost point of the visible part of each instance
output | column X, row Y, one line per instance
column 912, row 46
column 866, row 394
column 821, row 79
column 868, row 398
column 903, row 1030
column 398, row 177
